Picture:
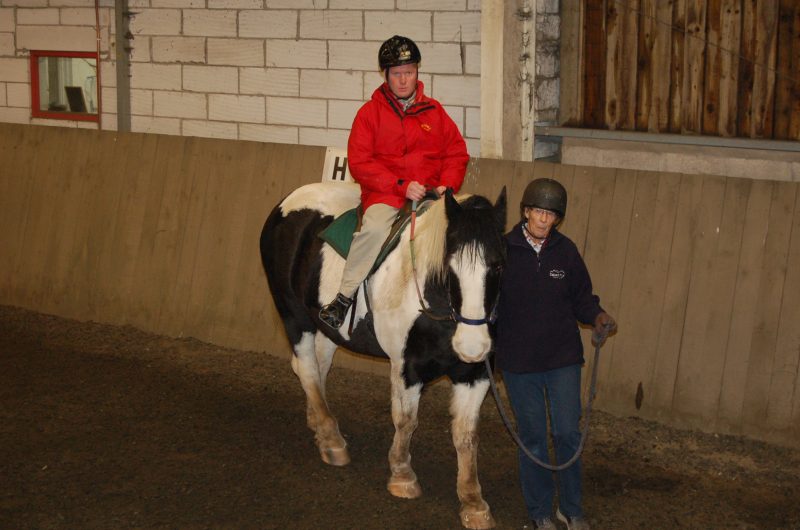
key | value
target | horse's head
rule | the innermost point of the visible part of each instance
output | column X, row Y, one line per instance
column 475, row 257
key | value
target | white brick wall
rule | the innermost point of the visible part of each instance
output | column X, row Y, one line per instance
column 262, row 70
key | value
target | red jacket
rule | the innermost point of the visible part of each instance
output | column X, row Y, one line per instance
column 388, row 148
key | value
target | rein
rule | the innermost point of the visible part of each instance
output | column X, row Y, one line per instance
column 453, row 315
column 599, row 340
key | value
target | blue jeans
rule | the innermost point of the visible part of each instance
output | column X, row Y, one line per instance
column 527, row 395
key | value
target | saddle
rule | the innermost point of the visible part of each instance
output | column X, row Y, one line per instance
column 339, row 234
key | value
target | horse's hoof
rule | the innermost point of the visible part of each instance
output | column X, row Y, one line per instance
column 405, row 489
column 335, row 456
column 477, row 519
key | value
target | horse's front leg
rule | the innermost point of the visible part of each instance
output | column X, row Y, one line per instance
column 465, row 409
column 405, row 404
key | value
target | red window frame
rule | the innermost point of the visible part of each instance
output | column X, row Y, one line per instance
column 36, row 106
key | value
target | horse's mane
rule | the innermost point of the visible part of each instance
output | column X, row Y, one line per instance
column 430, row 240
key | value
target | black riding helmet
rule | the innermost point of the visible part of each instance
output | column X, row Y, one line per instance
column 398, row 51
column 547, row 194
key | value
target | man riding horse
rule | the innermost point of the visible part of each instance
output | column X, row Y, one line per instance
column 401, row 145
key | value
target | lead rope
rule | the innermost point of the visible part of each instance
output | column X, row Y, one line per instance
column 587, row 411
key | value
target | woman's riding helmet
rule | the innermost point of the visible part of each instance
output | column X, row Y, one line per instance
column 547, row 194
column 398, row 51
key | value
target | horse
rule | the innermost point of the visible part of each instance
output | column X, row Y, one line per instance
column 427, row 313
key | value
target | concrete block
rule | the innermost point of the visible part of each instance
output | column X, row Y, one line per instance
column 362, row 4
column 546, row 64
column 83, row 3
column 341, row 113
column 181, row 4
column 140, row 50
column 473, row 5
column 243, row 109
column 340, row 25
column 547, row 6
column 109, row 122
column 441, row 58
column 457, row 90
column 269, row 81
column 108, row 73
column 7, row 19
column 457, row 115
column 273, row 24
column 327, row 137
column 15, row 115
column 18, row 95
column 220, row 79
column 7, row 44
column 109, row 99
column 236, row 52
column 179, row 105
column 331, row 84
column 472, row 60
column 353, row 55
column 296, row 54
column 3, row 95
column 14, row 70
column 73, row 38
column 178, row 49
column 473, row 148
column 548, row 27
column 44, row 16
column 432, row 5
column 547, row 93
column 380, row 25
column 205, row 23
column 25, row 3
column 156, row 22
column 457, row 27
column 235, row 4
column 156, row 76
column 268, row 133
column 210, row 129
column 82, row 16
column 473, row 122
column 296, row 111
column 297, row 4
column 141, row 102
column 149, row 124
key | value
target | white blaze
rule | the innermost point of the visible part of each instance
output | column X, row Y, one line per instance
column 471, row 343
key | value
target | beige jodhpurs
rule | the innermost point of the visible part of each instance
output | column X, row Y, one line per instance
column 375, row 226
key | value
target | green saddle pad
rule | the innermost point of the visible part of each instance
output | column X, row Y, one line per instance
column 339, row 234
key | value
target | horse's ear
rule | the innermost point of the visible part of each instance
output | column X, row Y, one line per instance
column 451, row 206
column 500, row 209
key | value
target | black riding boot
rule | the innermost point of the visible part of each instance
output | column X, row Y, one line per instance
column 333, row 313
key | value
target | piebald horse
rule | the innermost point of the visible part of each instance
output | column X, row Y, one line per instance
column 458, row 258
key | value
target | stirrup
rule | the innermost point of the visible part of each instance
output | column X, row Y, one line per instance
column 333, row 314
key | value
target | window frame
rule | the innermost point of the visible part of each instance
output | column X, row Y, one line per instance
column 36, row 106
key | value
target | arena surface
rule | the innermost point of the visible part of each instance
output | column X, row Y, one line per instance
column 108, row 427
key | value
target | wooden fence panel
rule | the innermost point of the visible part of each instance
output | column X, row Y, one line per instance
column 743, row 311
column 162, row 232
column 713, row 67
column 676, row 293
column 761, row 360
column 729, row 43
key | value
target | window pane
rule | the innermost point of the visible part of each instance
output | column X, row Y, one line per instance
column 68, row 84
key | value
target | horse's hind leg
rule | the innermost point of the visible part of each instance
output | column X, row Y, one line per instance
column 311, row 362
column 465, row 409
column 405, row 404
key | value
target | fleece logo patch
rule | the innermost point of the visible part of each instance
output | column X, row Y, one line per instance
column 557, row 274
column 426, row 127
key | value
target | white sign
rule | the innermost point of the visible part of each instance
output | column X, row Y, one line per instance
column 336, row 169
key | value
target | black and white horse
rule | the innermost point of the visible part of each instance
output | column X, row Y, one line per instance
column 459, row 254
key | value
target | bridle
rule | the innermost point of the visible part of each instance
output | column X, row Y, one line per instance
column 452, row 314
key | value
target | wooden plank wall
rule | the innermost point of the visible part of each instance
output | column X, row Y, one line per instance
column 161, row 233
column 711, row 67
